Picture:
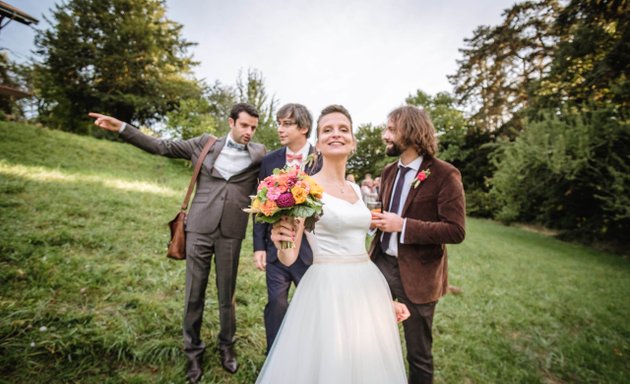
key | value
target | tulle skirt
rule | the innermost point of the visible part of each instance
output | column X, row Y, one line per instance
column 340, row 328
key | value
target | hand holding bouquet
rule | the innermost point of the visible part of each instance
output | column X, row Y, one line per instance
column 287, row 192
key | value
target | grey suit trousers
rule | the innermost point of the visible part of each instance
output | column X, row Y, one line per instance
column 199, row 250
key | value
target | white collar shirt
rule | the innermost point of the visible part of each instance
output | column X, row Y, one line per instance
column 232, row 160
column 392, row 248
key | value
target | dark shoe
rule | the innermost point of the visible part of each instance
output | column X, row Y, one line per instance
column 194, row 370
column 228, row 358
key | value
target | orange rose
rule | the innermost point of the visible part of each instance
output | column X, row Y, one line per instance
column 299, row 194
column 269, row 207
column 316, row 190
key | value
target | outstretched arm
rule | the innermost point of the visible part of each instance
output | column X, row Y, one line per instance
column 181, row 149
column 106, row 122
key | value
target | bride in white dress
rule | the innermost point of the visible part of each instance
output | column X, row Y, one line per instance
column 341, row 324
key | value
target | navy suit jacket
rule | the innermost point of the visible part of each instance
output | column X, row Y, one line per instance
column 262, row 231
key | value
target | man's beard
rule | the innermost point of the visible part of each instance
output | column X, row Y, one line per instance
column 394, row 150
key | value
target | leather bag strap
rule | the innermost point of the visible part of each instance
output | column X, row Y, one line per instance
column 193, row 180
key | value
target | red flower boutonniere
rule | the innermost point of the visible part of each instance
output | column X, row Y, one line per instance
column 422, row 176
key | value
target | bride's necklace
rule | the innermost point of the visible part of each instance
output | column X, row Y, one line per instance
column 342, row 187
column 332, row 185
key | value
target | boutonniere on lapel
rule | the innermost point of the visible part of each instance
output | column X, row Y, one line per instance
column 310, row 160
column 421, row 177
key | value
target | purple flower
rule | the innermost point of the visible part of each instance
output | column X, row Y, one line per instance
column 285, row 200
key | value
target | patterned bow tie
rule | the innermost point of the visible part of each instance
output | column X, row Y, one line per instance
column 238, row 147
column 296, row 157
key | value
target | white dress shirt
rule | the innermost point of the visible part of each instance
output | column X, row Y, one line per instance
column 392, row 248
column 231, row 160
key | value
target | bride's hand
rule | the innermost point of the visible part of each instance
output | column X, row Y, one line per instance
column 284, row 230
column 401, row 311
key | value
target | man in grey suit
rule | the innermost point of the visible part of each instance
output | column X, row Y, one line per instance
column 216, row 222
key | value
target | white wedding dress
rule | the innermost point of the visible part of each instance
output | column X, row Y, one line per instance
column 340, row 327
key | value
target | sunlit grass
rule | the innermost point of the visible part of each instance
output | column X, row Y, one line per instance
column 51, row 175
column 87, row 294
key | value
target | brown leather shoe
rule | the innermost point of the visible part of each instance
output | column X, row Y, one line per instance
column 194, row 370
column 228, row 358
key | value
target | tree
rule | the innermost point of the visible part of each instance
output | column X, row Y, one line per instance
column 592, row 61
column 370, row 154
column 551, row 83
column 220, row 99
column 569, row 171
column 191, row 118
column 121, row 57
column 14, row 76
column 464, row 146
column 254, row 92
column 500, row 64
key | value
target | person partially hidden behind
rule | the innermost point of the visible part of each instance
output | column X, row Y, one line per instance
column 294, row 127
column 216, row 223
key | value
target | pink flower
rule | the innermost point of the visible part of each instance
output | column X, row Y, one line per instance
column 286, row 200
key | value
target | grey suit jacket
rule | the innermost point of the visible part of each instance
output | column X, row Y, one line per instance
column 218, row 203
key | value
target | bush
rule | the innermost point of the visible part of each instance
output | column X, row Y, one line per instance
column 568, row 171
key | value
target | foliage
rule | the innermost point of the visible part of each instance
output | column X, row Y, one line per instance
column 88, row 295
column 252, row 90
column 369, row 156
column 449, row 122
column 119, row 57
column 544, row 60
column 500, row 63
column 545, row 55
column 592, row 62
column 11, row 75
column 220, row 99
column 191, row 118
column 569, row 171
column 461, row 144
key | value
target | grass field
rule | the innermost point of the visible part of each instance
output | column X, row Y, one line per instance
column 88, row 296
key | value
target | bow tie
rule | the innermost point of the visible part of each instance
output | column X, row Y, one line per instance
column 296, row 157
column 238, row 147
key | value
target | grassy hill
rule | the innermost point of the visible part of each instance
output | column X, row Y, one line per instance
column 88, row 296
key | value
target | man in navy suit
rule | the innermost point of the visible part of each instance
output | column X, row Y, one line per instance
column 294, row 127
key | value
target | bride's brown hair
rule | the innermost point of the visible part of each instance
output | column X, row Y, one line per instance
column 334, row 108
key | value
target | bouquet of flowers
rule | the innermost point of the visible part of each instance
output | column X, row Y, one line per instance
column 287, row 192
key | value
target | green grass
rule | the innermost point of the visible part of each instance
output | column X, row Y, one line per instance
column 82, row 244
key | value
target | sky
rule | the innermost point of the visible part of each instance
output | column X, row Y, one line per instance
column 367, row 55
